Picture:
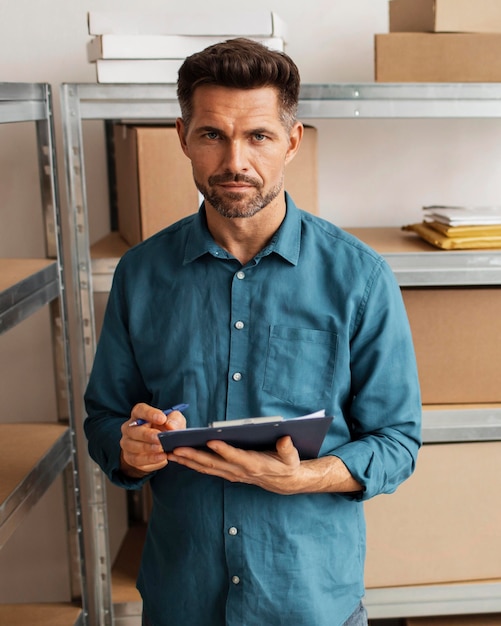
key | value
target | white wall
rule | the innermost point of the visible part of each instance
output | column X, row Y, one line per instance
column 371, row 172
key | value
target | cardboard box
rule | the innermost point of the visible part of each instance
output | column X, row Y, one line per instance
column 154, row 179
column 447, row 16
column 236, row 23
column 301, row 174
column 457, row 338
column 442, row 524
column 493, row 619
column 437, row 57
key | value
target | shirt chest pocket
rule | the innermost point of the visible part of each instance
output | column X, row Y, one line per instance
column 300, row 365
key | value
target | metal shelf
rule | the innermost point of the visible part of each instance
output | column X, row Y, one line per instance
column 26, row 285
column 445, row 424
column 25, row 478
column 22, row 102
column 416, row 263
column 441, row 599
column 158, row 102
column 418, row 266
column 434, row 269
column 406, row 100
column 48, row 450
column 342, row 101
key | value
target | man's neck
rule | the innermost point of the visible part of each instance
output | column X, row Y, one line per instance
column 244, row 237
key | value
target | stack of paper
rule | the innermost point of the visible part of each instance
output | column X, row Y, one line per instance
column 460, row 228
column 150, row 48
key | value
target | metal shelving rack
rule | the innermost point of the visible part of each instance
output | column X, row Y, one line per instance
column 48, row 449
column 419, row 267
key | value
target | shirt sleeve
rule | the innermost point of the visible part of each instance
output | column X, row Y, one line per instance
column 385, row 412
column 115, row 385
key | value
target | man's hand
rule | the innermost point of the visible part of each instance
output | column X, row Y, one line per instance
column 142, row 452
column 280, row 471
column 274, row 471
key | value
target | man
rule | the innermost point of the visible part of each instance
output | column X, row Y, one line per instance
column 252, row 307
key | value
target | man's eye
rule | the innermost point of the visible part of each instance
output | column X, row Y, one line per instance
column 212, row 135
column 259, row 137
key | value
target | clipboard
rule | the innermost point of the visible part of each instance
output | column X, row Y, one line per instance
column 255, row 433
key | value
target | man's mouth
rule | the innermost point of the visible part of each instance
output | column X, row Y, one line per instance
column 233, row 181
column 236, row 186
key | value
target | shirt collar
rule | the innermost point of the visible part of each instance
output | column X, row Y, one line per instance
column 286, row 242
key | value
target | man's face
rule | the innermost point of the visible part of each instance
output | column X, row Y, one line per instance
column 238, row 147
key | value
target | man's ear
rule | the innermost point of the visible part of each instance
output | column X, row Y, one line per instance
column 295, row 137
column 182, row 135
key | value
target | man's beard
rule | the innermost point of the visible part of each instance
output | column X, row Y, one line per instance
column 232, row 204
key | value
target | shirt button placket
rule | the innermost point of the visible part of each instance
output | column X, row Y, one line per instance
column 240, row 303
column 240, row 378
column 237, row 376
column 233, row 532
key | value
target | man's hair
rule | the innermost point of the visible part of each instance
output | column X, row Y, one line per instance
column 240, row 64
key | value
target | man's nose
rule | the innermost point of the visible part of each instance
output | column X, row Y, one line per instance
column 236, row 157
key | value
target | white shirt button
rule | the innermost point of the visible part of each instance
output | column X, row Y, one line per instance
column 239, row 325
column 237, row 376
column 240, row 275
column 233, row 531
column 235, row 580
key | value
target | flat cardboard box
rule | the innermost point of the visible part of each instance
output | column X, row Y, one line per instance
column 437, row 57
column 236, row 23
column 492, row 619
column 154, row 180
column 158, row 46
column 457, row 339
column 446, row 16
column 442, row 524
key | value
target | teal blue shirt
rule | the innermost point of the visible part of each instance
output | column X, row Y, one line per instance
column 314, row 321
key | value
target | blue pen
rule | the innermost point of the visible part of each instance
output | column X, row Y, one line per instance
column 176, row 407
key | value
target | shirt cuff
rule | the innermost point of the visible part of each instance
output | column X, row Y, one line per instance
column 359, row 458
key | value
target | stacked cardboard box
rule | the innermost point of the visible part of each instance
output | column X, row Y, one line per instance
column 145, row 47
column 440, row 41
